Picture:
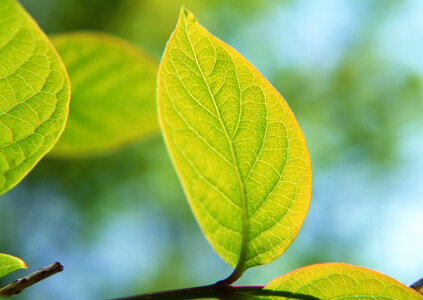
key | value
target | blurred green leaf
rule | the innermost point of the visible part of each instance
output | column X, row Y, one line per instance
column 236, row 146
column 9, row 264
column 113, row 88
column 340, row 281
column 34, row 94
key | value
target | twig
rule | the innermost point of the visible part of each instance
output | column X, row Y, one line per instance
column 217, row 291
column 18, row 285
column 208, row 291
column 418, row 286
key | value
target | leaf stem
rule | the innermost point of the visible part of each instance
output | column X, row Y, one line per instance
column 236, row 274
column 18, row 285
column 217, row 291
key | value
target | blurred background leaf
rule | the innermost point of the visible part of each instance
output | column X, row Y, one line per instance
column 113, row 94
column 352, row 73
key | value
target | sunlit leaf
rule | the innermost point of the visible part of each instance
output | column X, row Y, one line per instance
column 34, row 94
column 340, row 281
column 113, row 93
column 9, row 263
column 236, row 146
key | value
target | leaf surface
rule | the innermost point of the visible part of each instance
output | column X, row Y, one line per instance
column 236, row 146
column 34, row 94
column 9, row 263
column 340, row 281
column 113, row 93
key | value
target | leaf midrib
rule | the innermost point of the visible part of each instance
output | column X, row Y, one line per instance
column 240, row 265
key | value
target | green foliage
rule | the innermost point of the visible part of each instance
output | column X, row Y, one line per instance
column 113, row 91
column 340, row 281
column 34, row 94
column 236, row 145
column 9, row 263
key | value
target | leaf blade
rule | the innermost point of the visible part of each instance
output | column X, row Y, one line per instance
column 226, row 127
column 113, row 85
column 34, row 94
column 338, row 281
column 9, row 264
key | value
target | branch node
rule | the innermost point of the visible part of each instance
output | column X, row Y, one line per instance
column 20, row 284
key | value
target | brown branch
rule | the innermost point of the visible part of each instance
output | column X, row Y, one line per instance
column 20, row 284
column 218, row 291
column 418, row 286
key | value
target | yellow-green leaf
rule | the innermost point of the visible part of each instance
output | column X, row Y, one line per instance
column 236, row 146
column 9, row 263
column 340, row 281
column 113, row 93
column 34, row 94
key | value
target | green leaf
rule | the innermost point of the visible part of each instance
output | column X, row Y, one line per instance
column 236, row 146
column 113, row 93
column 340, row 281
column 9, row 264
column 34, row 94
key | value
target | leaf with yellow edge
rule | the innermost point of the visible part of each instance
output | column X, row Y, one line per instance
column 9, row 264
column 236, row 146
column 113, row 93
column 34, row 94
column 339, row 281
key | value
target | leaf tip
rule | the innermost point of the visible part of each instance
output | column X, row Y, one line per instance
column 10, row 263
column 22, row 264
column 185, row 15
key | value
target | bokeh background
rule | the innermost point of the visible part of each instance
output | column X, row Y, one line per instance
column 352, row 71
